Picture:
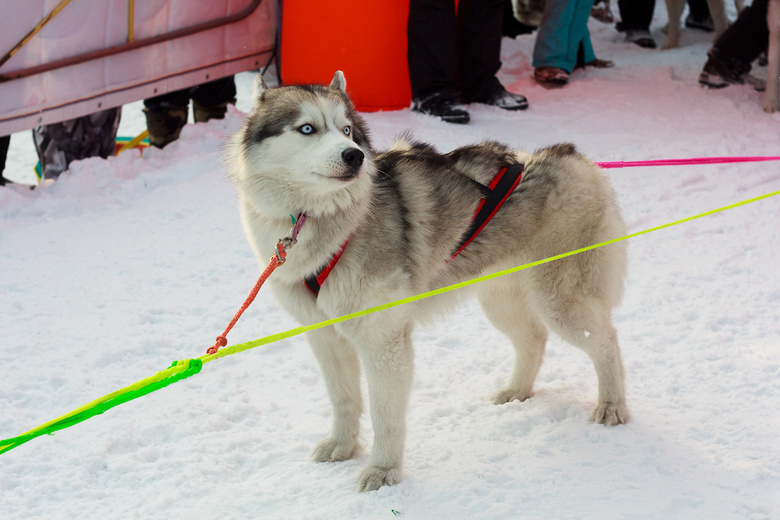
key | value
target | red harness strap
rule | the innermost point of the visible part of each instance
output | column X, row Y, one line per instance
column 315, row 281
column 500, row 188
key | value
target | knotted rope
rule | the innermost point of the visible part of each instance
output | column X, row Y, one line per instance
column 282, row 246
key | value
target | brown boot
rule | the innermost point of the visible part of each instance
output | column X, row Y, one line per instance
column 203, row 114
column 164, row 125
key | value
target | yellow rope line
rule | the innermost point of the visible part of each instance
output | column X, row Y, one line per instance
column 36, row 29
column 186, row 368
column 300, row 330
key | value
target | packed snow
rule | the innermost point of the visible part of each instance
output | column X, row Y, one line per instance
column 126, row 264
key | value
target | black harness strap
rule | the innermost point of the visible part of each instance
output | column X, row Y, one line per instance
column 499, row 190
column 501, row 187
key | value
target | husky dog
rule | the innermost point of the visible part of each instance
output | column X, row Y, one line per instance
column 402, row 215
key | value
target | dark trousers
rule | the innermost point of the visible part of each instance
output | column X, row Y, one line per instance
column 209, row 94
column 4, row 142
column 699, row 8
column 635, row 15
column 451, row 53
column 747, row 37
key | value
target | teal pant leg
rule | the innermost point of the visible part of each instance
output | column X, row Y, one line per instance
column 564, row 27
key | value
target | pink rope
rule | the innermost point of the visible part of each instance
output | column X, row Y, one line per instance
column 683, row 162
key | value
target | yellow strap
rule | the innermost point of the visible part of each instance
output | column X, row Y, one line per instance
column 300, row 330
column 132, row 143
column 36, row 29
column 186, row 368
column 130, row 20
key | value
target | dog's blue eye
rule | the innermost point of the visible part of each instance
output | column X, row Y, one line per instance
column 347, row 130
column 306, row 129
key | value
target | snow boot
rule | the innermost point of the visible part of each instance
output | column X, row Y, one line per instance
column 202, row 113
column 721, row 71
column 442, row 106
column 164, row 124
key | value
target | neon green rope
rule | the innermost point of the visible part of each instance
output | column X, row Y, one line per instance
column 300, row 330
column 176, row 372
column 183, row 369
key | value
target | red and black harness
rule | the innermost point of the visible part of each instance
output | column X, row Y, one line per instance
column 498, row 191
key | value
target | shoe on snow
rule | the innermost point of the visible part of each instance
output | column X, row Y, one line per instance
column 720, row 72
column 502, row 98
column 551, row 77
column 601, row 12
column 442, row 106
column 640, row 37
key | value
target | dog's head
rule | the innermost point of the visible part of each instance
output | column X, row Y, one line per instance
column 302, row 148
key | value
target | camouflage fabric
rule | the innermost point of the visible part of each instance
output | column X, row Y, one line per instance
column 59, row 144
column 167, row 114
column 201, row 114
column 165, row 124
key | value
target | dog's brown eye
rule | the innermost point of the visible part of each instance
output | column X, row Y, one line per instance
column 347, row 130
column 306, row 129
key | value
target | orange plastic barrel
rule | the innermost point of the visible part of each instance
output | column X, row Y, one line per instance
column 364, row 38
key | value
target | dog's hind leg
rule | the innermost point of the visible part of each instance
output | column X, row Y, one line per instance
column 598, row 339
column 340, row 368
column 504, row 304
column 580, row 312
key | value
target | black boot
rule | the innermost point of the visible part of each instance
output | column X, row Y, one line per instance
column 442, row 106
column 721, row 71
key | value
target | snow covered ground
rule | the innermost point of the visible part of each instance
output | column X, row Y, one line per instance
column 127, row 264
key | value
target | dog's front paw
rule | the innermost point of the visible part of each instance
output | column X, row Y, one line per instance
column 331, row 450
column 610, row 414
column 506, row 395
column 374, row 478
column 771, row 105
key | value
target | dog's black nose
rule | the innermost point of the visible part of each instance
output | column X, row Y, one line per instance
column 353, row 157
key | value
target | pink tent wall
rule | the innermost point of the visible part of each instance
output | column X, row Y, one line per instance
column 91, row 26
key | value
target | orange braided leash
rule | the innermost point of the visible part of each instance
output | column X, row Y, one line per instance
column 278, row 259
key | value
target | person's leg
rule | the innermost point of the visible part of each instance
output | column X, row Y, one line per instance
column 166, row 115
column 635, row 14
column 5, row 141
column 479, row 46
column 432, row 61
column 210, row 100
column 59, row 144
column 431, row 48
column 105, row 125
column 730, row 57
column 581, row 34
column 635, row 18
column 699, row 16
column 479, row 55
column 564, row 26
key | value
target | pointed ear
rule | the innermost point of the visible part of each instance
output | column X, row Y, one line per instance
column 339, row 82
column 259, row 88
